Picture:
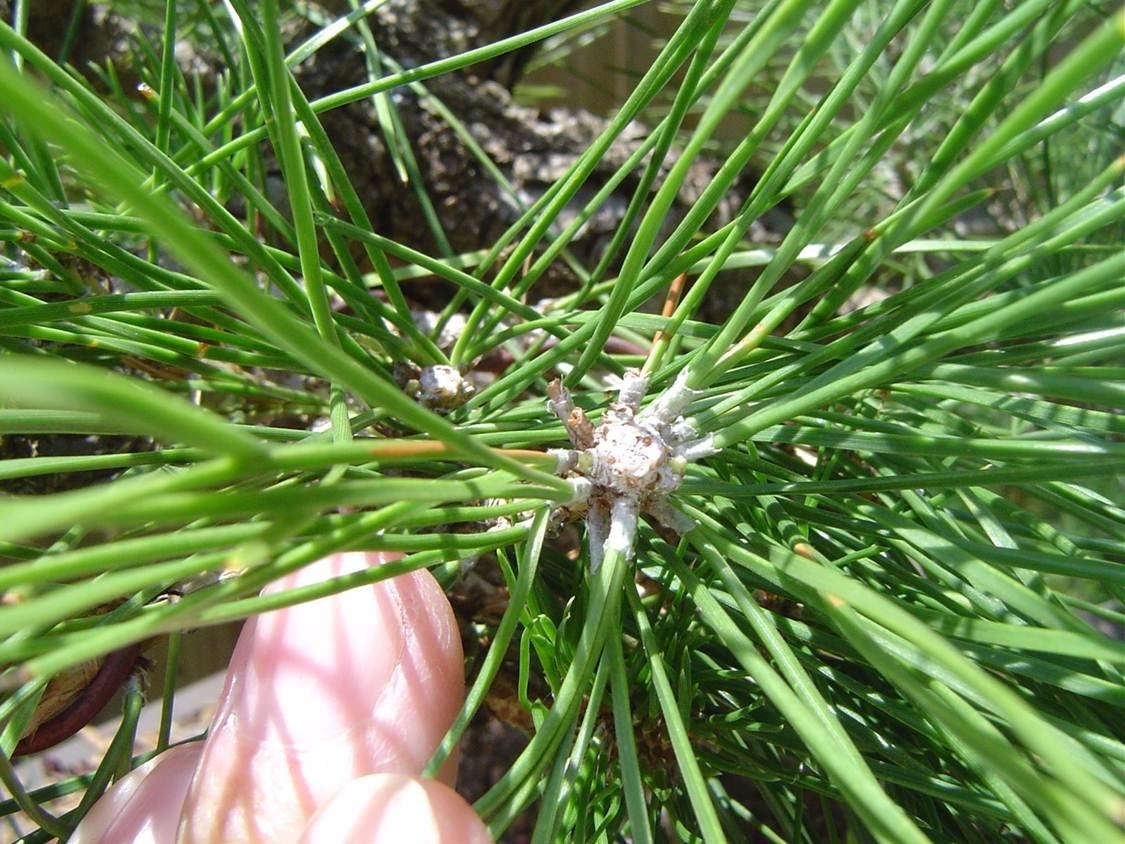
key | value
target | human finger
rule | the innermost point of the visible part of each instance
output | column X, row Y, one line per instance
column 386, row 808
column 143, row 807
column 320, row 694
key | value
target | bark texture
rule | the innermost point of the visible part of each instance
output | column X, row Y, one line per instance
column 532, row 147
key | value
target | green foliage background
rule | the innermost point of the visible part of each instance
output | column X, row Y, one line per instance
column 890, row 621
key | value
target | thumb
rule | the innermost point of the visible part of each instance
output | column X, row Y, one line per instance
column 316, row 695
column 320, row 694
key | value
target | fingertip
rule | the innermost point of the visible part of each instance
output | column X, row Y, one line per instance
column 387, row 808
column 143, row 807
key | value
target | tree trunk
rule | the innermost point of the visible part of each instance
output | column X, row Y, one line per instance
column 532, row 147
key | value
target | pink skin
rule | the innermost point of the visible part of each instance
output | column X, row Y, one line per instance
column 330, row 710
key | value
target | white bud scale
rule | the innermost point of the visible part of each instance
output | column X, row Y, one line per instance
column 633, row 460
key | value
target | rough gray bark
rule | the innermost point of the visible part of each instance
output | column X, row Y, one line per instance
column 101, row 33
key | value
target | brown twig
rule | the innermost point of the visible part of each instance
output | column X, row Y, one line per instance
column 675, row 290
